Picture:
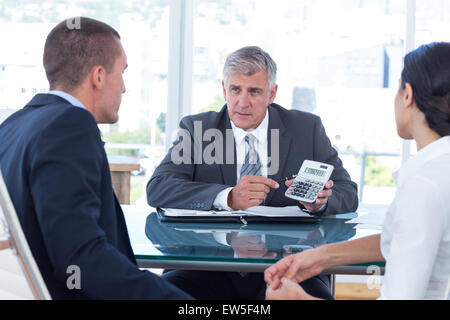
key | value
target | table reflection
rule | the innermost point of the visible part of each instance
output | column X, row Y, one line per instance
column 252, row 241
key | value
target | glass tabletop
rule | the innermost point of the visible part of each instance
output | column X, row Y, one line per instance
column 229, row 246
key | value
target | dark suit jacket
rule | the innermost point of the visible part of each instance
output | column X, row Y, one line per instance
column 195, row 186
column 55, row 167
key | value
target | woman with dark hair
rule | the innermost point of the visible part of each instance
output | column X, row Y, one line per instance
column 415, row 241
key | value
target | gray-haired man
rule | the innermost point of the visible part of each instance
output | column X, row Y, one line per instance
column 256, row 143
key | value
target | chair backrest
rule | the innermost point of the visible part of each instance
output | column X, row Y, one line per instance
column 447, row 292
column 15, row 239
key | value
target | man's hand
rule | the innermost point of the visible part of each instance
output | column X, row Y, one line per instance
column 322, row 197
column 250, row 191
column 297, row 267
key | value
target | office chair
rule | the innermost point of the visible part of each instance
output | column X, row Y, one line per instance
column 16, row 241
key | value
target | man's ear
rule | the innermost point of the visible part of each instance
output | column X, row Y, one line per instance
column 224, row 90
column 273, row 94
column 97, row 76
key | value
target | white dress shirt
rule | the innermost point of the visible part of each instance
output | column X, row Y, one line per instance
column 416, row 235
column 260, row 133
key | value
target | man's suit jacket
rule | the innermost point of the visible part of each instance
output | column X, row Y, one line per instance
column 56, row 171
column 195, row 185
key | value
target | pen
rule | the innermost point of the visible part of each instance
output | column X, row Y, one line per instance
column 287, row 178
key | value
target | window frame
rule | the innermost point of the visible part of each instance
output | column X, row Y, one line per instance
column 181, row 48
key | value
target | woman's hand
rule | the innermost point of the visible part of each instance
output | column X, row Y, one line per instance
column 288, row 290
column 297, row 267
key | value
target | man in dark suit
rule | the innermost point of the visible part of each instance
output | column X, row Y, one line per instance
column 55, row 167
column 232, row 159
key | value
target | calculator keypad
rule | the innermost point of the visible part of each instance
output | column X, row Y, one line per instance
column 306, row 189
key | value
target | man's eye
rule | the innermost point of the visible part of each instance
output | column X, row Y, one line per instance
column 235, row 90
column 255, row 92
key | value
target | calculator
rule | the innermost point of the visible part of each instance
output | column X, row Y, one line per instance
column 311, row 178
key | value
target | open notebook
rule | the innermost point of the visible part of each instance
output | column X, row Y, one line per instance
column 253, row 214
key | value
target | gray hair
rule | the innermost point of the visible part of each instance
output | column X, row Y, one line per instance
column 248, row 61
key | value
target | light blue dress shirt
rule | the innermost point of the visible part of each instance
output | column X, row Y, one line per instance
column 71, row 99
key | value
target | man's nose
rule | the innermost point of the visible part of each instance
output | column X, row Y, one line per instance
column 244, row 99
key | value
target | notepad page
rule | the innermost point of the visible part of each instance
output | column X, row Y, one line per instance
column 265, row 211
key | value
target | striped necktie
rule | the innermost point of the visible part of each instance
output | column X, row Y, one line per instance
column 252, row 164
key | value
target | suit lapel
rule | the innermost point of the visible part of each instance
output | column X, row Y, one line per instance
column 228, row 168
column 283, row 139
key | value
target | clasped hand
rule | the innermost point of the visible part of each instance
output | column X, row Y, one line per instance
column 283, row 277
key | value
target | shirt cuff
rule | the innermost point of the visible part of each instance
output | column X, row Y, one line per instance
column 221, row 201
column 313, row 213
column 322, row 208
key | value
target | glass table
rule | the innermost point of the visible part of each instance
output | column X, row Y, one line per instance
column 234, row 246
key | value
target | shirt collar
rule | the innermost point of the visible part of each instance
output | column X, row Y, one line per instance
column 71, row 99
column 429, row 152
column 260, row 133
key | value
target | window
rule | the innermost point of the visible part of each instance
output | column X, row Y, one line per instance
column 144, row 29
column 432, row 21
column 338, row 59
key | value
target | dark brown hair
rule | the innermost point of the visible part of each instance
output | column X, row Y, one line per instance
column 427, row 69
column 74, row 47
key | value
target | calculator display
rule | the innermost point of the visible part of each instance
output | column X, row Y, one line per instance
column 315, row 172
